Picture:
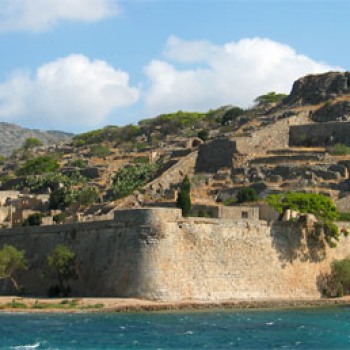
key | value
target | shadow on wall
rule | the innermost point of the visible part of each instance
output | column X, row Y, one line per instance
column 292, row 242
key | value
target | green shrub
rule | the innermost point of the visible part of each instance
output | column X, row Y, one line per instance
column 230, row 201
column 100, row 151
column 344, row 217
column 319, row 205
column 231, row 115
column 341, row 275
column 79, row 163
column 203, row 134
column 31, row 143
column 87, row 196
column 59, row 218
column 247, row 194
column 339, row 149
column 39, row 165
column 33, row 220
column 271, row 97
column 131, row 178
column 141, row 160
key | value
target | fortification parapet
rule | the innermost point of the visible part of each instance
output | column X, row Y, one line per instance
column 146, row 216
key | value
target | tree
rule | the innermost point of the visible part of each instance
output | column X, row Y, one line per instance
column 232, row 114
column 31, row 142
column 11, row 260
column 183, row 200
column 39, row 165
column 203, row 134
column 271, row 97
column 247, row 194
column 61, row 266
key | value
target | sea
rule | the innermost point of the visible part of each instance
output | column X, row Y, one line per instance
column 323, row 328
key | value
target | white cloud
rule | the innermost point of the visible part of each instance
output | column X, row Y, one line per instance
column 233, row 73
column 39, row 15
column 71, row 93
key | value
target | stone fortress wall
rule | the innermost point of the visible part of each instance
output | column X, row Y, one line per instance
column 156, row 254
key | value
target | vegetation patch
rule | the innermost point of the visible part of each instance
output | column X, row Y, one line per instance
column 321, row 206
column 339, row 149
column 131, row 178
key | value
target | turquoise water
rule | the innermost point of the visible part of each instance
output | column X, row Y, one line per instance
column 278, row 329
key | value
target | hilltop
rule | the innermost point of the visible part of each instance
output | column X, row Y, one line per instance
column 294, row 143
column 13, row 136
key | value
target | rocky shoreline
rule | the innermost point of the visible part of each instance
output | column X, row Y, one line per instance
column 81, row 305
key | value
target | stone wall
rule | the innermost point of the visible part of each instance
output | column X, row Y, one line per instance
column 215, row 155
column 276, row 136
column 157, row 254
column 320, row 134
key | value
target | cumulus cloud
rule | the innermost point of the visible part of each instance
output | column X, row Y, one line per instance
column 69, row 93
column 215, row 75
column 39, row 15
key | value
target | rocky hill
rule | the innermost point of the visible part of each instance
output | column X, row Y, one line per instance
column 295, row 144
column 13, row 136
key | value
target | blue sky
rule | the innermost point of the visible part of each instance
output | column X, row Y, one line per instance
column 76, row 65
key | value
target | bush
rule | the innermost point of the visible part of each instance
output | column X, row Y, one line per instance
column 131, row 178
column 33, row 220
column 203, row 134
column 344, row 217
column 100, row 151
column 38, row 166
column 319, row 205
column 87, row 196
column 231, row 115
column 341, row 275
column 79, row 163
column 247, row 194
column 59, row 218
column 31, row 143
column 339, row 149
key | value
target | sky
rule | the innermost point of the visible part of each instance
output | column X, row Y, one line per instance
column 78, row 65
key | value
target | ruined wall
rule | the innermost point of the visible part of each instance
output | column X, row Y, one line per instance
column 215, row 155
column 320, row 134
column 156, row 254
column 276, row 136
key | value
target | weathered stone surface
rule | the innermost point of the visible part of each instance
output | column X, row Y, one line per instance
column 339, row 111
column 215, row 155
column 156, row 254
column 313, row 89
column 319, row 134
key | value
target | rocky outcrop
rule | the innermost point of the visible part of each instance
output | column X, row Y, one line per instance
column 313, row 89
column 339, row 111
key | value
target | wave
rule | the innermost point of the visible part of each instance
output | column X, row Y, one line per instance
column 26, row 347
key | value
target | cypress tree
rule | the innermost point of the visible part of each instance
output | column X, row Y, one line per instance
column 183, row 200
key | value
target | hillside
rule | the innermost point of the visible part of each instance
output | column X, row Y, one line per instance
column 13, row 136
column 295, row 143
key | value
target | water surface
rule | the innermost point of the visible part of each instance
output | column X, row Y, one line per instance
column 262, row 329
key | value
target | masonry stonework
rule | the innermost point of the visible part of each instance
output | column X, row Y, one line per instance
column 156, row 254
